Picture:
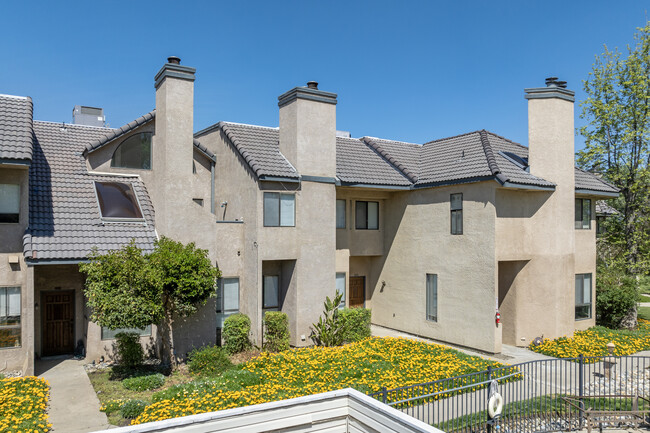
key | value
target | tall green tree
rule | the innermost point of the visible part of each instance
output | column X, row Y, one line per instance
column 617, row 138
column 130, row 289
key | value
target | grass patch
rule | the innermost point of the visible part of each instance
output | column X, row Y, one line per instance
column 23, row 401
column 644, row 298
column 643, row 313
column 593, row 342
column 366, row 366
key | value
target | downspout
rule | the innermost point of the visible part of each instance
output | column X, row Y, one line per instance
column 212, row 208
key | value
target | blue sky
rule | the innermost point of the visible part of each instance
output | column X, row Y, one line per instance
column 407, row 70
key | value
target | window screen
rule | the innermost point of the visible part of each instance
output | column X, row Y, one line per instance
column 117, row 200
column 10, row 317
column 109, row 334
column 367, row 215
column 134, row 152
column 279, row 209
column 340, row 214
column 227, row 299
column 456, row 202
column 583, row 213
column 432, row 297
column 270, row 289
column 9, row 203
column 583, row 296
column 340, row 287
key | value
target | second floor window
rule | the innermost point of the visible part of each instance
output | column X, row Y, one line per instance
column 279, row 209
column 9, row 203
column 367, row 215
column 456, row 201
column 340, row 214
column 134, row 152
column 583, row 213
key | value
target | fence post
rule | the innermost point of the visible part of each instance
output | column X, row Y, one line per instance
column 384, row 394
column 581, row 386
column 489, row 420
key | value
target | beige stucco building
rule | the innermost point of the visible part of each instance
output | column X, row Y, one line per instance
column 436, row 238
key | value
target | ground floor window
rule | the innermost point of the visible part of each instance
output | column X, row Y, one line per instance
column 227, row 299
column 109, row 334
column 583, row 296
column 271, row 292
column 432, row 297
column 9, row 316
column 340, row 287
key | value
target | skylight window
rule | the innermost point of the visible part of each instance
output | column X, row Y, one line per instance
column 522, row 162
column 117, row 201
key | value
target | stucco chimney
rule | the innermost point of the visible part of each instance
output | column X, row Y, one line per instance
column 551, row 132
column 308, row 130
column 173, row 141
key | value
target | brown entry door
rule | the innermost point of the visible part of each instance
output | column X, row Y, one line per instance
column 357, row 292
column 58, row 323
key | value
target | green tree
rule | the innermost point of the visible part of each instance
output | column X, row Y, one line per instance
column 617, row 145
column 129, row 289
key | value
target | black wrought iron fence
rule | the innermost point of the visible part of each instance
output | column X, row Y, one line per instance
column 538, row 396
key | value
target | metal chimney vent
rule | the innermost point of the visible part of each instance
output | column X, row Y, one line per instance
column 89, row 116
column 554, row 82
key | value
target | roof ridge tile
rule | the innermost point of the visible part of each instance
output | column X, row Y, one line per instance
column 413, row 178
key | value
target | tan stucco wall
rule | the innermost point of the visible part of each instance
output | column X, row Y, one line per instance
column 17, row 274
column 418, row 241
column 361, row 242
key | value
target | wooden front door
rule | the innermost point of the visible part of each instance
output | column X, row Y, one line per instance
column 357, row 292
column 58, row 322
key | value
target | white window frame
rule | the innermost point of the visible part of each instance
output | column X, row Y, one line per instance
column 431, row 297
column 6, row 314
column 280, row 196
column 222, row 312
column 341, row 215
column 580, row 298
column 275, row 307
column 368, row 225
column 580, row 222
column 344, row 276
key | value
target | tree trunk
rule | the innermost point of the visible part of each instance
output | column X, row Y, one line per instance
column 166, row 334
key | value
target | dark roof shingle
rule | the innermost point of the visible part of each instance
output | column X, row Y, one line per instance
column 16, row 122
column 64, row 218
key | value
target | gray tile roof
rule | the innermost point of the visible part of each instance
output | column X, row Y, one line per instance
column 260, row 148
column 125, row 129
column 16, row 114
column 603, row 209
column 64, row 218
column 358, row 163
column 589, row 181
column 376, row 161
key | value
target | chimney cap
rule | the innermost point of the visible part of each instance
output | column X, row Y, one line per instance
column 312, row 85
column 554, row 82
column 174, row 60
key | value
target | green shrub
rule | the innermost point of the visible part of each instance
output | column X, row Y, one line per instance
column 329, row 329
column 236, row 329
column 616, row 297
column 132, row 409
column 144, row 383
column 209, row 361
column 129, row 350
column 276, row 331
column 356, row 324
column 112, row 406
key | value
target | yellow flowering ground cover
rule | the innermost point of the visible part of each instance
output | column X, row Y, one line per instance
column 366, row 366
column 593, row 342
column 23, row 401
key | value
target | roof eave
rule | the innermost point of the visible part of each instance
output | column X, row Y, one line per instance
column 20, row 162
column 596, row 193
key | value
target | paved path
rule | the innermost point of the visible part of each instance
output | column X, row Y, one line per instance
column 74, row 407
column 509, row 354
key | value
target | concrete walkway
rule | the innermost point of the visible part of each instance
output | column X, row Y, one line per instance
column 74, row 407
column 509, row 354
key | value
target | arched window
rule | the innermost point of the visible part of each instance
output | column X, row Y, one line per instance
column 134, row 152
